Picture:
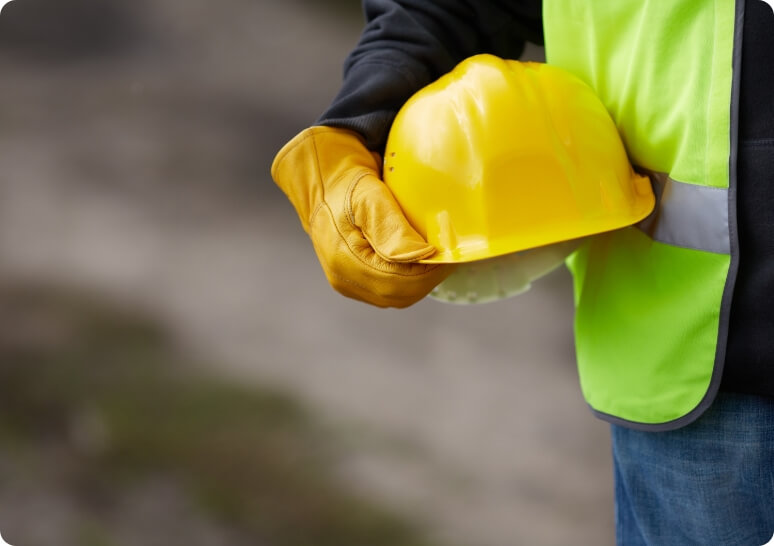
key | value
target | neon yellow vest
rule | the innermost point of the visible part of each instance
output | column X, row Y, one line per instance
column 652, row 301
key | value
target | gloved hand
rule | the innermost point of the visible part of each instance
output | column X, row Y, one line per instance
column 364, row 242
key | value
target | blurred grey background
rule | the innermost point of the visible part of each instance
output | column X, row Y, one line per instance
column 172, row 360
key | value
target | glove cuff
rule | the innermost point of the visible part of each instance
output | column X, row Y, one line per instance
column 314, row 160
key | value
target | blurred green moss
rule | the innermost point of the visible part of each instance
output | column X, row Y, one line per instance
column 119, row 402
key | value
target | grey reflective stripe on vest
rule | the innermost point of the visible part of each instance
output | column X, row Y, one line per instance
column 688, row 215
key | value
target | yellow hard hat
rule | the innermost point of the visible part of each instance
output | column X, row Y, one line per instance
column 499, row 156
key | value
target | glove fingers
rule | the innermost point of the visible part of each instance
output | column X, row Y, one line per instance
column 373, row 209
column 355, row 270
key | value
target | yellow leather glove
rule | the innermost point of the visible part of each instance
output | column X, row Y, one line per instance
column 364, row 242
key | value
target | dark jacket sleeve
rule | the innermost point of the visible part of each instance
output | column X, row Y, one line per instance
column 407, row 44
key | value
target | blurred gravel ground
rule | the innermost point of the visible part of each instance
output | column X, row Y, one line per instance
column 141, row 174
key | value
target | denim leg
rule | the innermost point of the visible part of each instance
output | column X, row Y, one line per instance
column 627, row 530
column 710, row 483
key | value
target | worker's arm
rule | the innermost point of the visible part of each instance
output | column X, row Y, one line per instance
column 332, row 172
column 407, row 44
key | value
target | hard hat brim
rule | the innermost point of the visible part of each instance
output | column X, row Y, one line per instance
column 475, row 250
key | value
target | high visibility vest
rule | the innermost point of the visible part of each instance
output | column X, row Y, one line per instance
column 652, row 301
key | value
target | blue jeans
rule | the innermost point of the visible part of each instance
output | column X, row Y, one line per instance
column 709, row 483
